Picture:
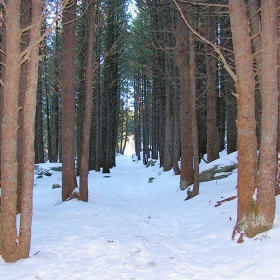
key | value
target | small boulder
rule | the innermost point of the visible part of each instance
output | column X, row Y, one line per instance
column 56, row 186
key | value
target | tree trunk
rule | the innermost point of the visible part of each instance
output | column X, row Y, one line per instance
column 84, row 168
column 39, row 125
column 15, row 247
column 277, row 190
column 212, row 130
column 177, row 134
column 182, row 60
column 255, row 20
column 98, row 115
column 25, row 20
column 9, row 168
column 69, row 182
column 194, row 133
column 246, row 123
column 267, row 162
column 29, row 111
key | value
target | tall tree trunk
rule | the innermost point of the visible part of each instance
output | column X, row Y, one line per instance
column 98, row 115
column 39, row 125
column 25, row 20
column 29, row 111
column 277, row 191
column 212, row 130
column 246, row 123
column 83, row 194
column 69, row 182
column 182, row 60
column 15, row 247
column 177, row 134
column 194, row 133
column 255, row 20
column 9, row 167
column 267, row 162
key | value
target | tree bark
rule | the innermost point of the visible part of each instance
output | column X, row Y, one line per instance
column 69, row 182
column 84, row 168
column 212, row 130
column 277, row 190
column 194, row 133
column 9, row 168
column 182, row 61
column 14, row 247
column 267, row 162
column 246, row 124
column 255, row 21
column 29, row 111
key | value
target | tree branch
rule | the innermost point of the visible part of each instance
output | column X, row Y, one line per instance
column 203, row 39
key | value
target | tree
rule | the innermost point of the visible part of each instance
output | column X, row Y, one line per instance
column 212, row 131
column 182, row 61
column 14, row 247
column 69, row 182
column 256, row 187
column 83, row 189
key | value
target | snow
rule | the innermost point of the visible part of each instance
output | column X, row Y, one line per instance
column 132, row 229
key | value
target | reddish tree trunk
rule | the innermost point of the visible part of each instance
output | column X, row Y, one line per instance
column 25, row 20
column 9, row 168
column 269, row 94
column 194, row 132
column 84, row 168
column 246, row 123
column 277, row 191
column 212, row 130
column 69, row 182
column 182, row 60
column 14, row 247
column 29, row 111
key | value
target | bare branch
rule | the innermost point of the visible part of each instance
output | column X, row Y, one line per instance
column 205, row 4
column 203, row 39
column 26, row 52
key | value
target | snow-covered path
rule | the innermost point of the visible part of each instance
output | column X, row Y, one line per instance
column 132, row 229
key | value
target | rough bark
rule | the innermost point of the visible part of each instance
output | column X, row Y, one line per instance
column 25, row 38
column 9, row 167
column 212, row 130
column 29, row 111
column 246, row 124
column 194, row 132
column 84, row 168
column 182, row 60
column 255, row 21
column 277, row 190
column 267, row 161
column 69, row 182
column 14, row 247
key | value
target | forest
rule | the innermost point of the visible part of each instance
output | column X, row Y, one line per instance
column 188, row 79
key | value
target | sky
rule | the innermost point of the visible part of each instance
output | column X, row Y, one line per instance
column 133, row 229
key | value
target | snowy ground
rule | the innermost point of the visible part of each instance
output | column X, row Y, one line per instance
column 132, row 229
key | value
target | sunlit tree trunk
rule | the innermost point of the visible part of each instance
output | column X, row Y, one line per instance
column 269, row 93
column 256, row 202
column 277, row 191
column 9, row 167
column 246, row 123
column 14, row 247
column 255, row 21
column 25, row 20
